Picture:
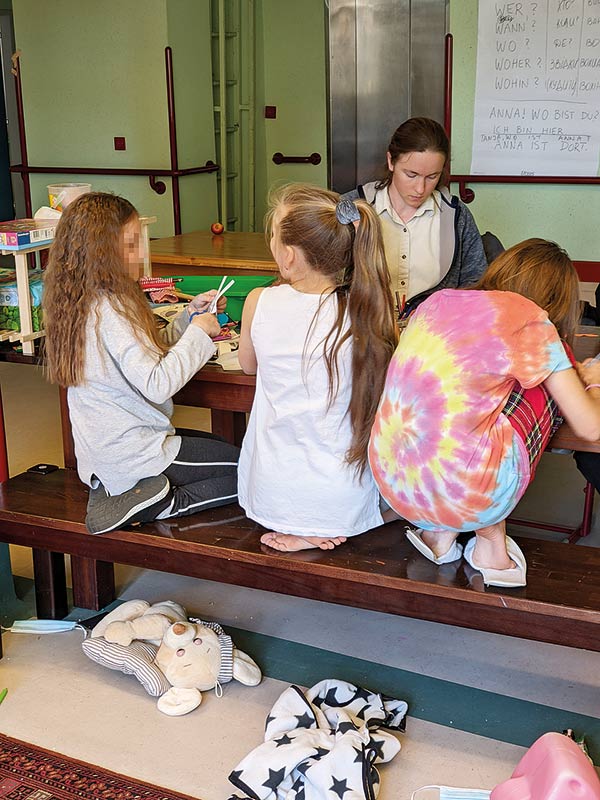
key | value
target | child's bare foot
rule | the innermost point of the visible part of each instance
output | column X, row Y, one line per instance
column 439, row 542
column 289, row 542
column 437, row 546
column 497, row 557
column 490, row 548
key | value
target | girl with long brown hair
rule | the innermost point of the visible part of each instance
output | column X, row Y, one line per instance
column 475, row 390
column 103, row 345
column 320, row 346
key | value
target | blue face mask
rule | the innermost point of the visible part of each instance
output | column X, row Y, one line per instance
column 455, row 793
column 42, row 626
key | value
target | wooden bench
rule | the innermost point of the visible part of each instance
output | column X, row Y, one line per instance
column 378, row 571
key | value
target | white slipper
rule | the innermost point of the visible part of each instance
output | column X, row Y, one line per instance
column 501, row 577
column 453, row 554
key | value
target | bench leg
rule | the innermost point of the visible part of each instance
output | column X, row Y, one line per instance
column 231, row 425
column 93, row 582
column 50, row 582
column 588, row 509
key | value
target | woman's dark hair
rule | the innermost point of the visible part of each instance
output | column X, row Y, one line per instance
column 417, row 135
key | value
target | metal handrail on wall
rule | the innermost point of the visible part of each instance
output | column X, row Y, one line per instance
column 313, row 158
column 156, row 185
column 467, row 195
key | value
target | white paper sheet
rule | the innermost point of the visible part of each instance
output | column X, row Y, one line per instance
column 537, row 103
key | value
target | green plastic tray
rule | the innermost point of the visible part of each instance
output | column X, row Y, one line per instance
column 196, row 284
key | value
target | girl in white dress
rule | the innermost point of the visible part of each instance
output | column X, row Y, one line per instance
column 320, row 346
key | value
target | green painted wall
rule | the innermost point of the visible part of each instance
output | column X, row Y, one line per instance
column 566, row 214
column 92, row 71
column 290, row 51
column 189, row 32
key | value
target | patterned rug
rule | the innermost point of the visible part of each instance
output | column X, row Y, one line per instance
column 28, row 772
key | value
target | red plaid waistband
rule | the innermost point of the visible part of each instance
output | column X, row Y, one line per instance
column 535, row 418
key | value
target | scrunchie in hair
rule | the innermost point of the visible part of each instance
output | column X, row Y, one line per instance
column 346, row 212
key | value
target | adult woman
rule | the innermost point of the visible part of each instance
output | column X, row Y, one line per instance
column 430, row 237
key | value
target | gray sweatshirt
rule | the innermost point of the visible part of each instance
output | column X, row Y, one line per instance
column 121, row 413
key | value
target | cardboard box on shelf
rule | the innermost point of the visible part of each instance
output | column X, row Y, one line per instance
column 17, row 234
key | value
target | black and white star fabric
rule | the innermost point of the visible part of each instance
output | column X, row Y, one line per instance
column 322, row 744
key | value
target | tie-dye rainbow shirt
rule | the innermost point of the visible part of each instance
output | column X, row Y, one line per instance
column 441, row 451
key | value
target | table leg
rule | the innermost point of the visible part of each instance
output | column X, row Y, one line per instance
column 50, row 584
column 3, row 449
column 93, row 582
column 588, row 509
column 231, row 425
column 67, row 435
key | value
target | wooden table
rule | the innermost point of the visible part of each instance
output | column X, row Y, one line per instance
column 203, row 253
column 229, row 397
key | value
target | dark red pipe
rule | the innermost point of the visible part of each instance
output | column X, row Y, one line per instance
column 210, row 166
column 173, row 139
column 22, row 139
column 448, row 45
column 158, row 186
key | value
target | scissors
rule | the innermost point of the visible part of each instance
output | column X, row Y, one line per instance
column 212, row 307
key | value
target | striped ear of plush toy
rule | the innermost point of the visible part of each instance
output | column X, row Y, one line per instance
column 136, row 659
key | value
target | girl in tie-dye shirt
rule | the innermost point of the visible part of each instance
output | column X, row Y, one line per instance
column 445, row 449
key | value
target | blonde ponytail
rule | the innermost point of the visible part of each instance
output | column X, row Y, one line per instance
column 374, row 330
column 354, row 259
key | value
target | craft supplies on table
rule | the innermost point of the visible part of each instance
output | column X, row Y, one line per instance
column 236, row 295
column 188, row 286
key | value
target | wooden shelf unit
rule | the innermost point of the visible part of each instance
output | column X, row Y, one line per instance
column 26, row 335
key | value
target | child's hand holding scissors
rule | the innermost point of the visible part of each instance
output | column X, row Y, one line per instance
column 206, row 305
column 208, row 322
column 201, row 302
column 217, row 296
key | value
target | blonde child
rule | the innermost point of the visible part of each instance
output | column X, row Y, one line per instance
column 470, row 402
column 121, row 372
column 319, row 345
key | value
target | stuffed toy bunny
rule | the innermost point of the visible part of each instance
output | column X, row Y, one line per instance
column 174, row 658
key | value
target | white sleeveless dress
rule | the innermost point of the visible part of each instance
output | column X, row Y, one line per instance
column 293, row 477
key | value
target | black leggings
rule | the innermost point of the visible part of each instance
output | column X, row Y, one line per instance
column 589, row 466
column 202, row 475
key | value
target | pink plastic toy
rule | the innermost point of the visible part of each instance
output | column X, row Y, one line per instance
column 554, row 768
